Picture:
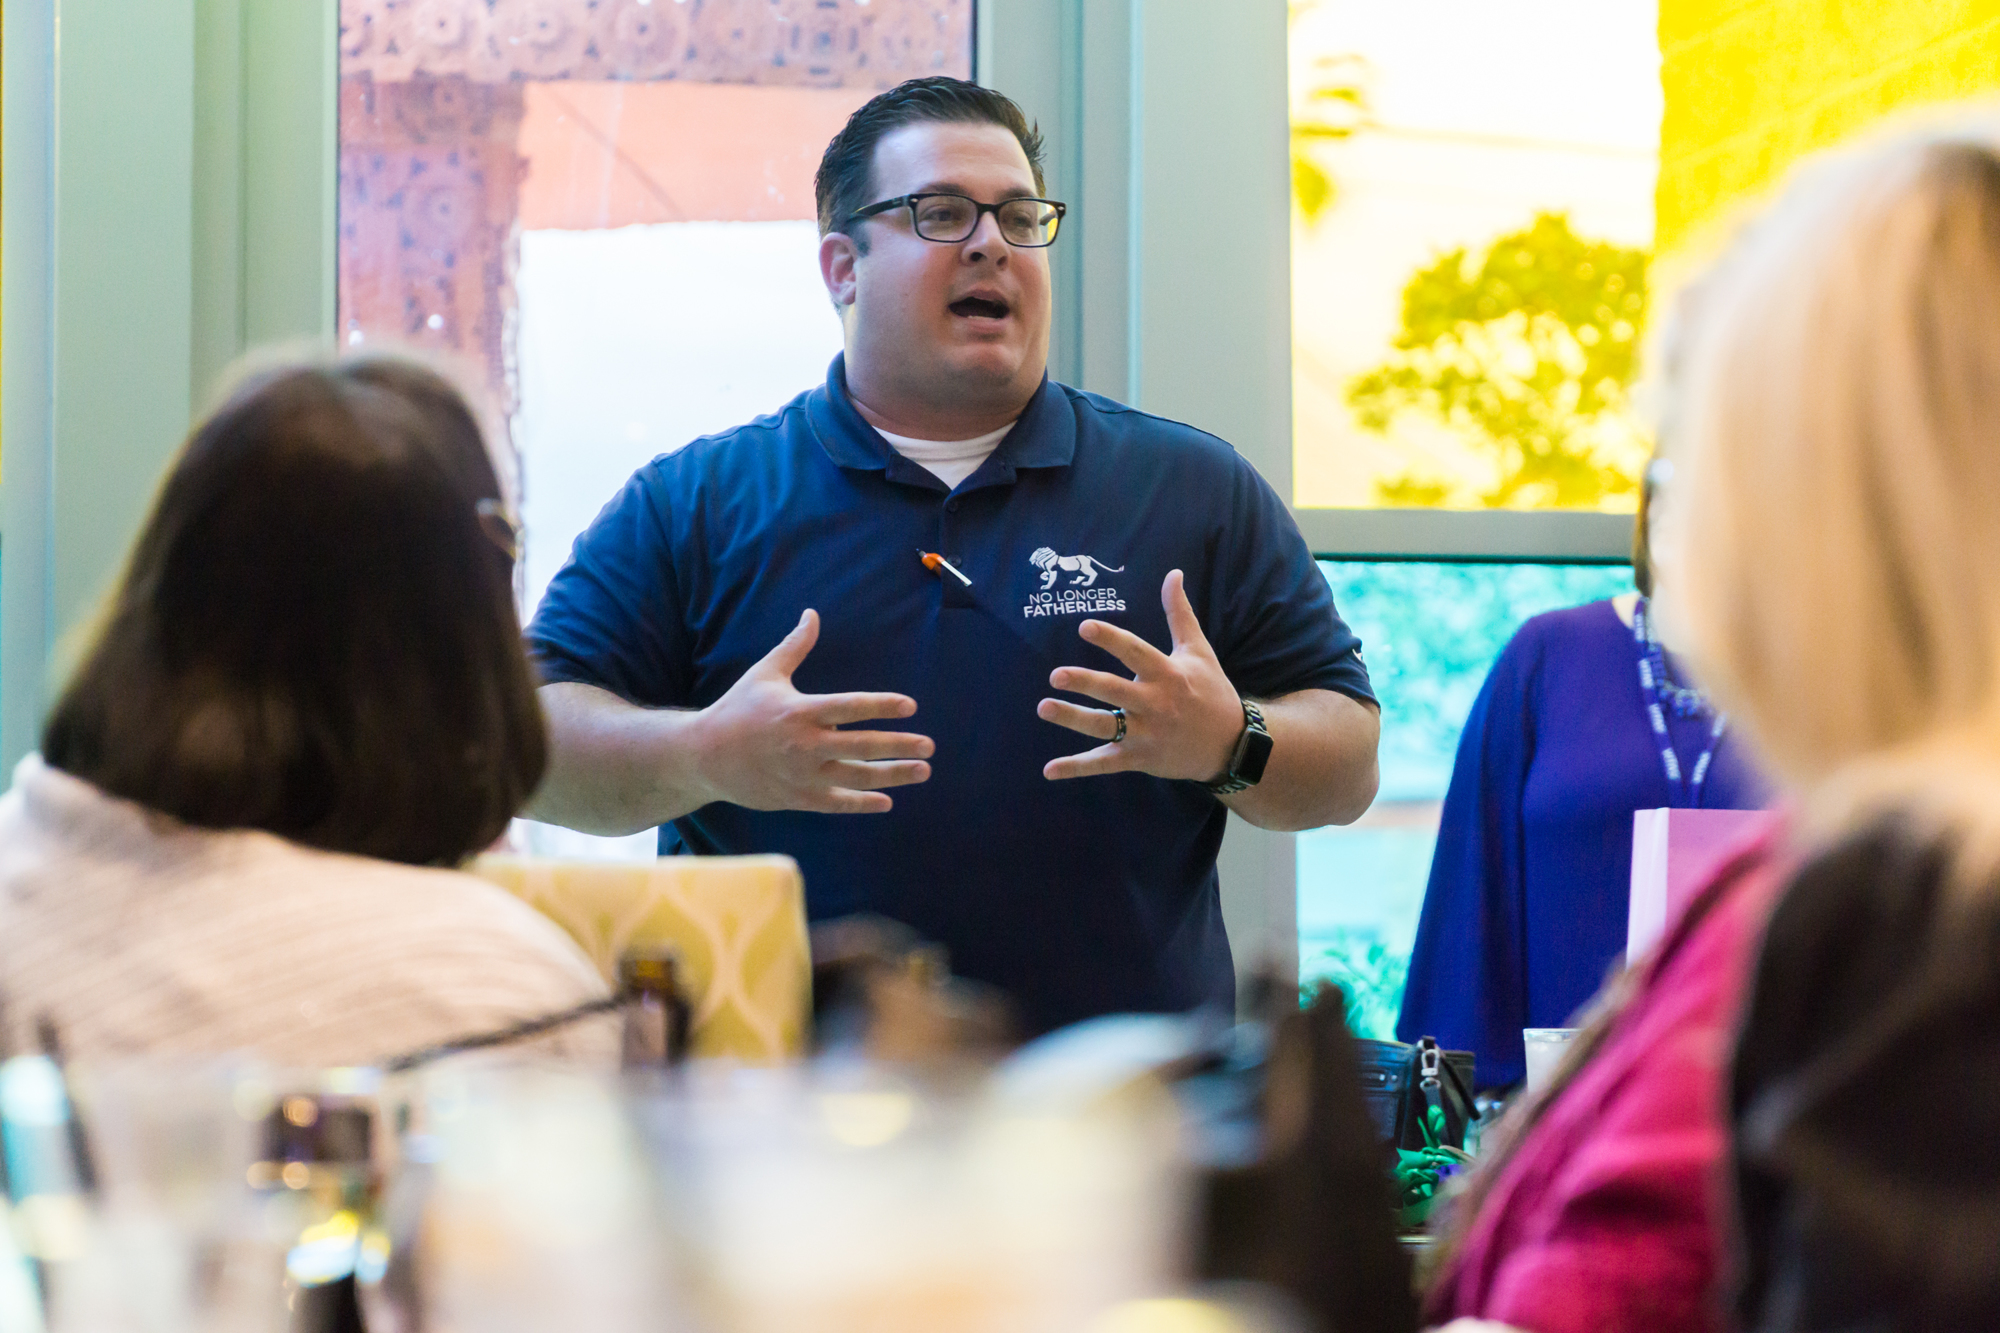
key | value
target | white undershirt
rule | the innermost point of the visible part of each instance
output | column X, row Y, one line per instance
column 950, row 461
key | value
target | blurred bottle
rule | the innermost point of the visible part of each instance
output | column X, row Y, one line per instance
column 657, row 1014
column 49, row 1176
column 317, row 1162
column 883, row 993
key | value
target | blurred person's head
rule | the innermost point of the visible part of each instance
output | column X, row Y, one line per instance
column 1835, row 521
column 935, row 329
column 1663, row 620
column 1642, row 524
column 316, row 634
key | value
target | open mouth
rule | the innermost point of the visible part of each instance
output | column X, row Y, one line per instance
column 979, row 307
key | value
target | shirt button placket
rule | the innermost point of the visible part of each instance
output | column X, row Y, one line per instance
column 955, row 593
column 945, row 529
column 950, row 506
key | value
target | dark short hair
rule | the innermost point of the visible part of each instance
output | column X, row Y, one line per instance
column 316, row 634
column 846, row 171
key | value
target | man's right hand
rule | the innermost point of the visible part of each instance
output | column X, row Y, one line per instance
column 765, row 746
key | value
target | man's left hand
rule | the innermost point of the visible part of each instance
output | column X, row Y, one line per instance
column 1182, row 716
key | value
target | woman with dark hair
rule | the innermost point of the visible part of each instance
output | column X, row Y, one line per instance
column 307, row 701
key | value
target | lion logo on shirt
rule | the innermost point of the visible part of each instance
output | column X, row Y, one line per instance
column 1085, row 568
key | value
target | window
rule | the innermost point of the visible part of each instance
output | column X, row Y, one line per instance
column 1472, row 221
column 668, row 282
column 1479, row 193
column 603, row 211
column 1430, row 632
column 604, row 208
column 1472, row 215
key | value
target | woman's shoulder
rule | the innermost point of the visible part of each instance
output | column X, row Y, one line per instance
column 1593, row 623
column 449, row 913
column 1567, row 638
column 239, row 940
column 434, row 954
column 74, row 850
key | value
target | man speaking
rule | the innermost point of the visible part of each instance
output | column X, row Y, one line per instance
column 942, row 575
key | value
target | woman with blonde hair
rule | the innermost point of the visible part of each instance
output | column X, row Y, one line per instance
column 1840, row 536
column 1833, row 539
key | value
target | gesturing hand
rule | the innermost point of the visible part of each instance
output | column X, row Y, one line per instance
column 765, row 746
column 1182, row 716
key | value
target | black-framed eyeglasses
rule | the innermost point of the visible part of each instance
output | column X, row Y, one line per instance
column 949, row 218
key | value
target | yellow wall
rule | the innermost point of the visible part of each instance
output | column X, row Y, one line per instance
column 1751, row 85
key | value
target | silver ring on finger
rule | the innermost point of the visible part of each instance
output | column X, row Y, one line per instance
column 1118, row 716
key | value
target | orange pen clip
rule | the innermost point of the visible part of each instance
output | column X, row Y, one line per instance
column 934, row 562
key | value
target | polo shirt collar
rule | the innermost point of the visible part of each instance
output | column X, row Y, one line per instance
column 1044, row 436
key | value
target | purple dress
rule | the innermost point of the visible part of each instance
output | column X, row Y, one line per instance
column 1525, row 911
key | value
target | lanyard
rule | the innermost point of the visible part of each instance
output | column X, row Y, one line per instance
column 1661, row 693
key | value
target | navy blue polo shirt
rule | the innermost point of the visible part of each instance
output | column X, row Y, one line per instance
column 1083, row 897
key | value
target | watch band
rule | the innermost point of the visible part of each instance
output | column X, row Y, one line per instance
column 1246, row 762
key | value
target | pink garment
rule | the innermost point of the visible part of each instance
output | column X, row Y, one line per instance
column 1606, row 1218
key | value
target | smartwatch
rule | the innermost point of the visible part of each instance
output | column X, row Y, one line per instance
column 1246, row 763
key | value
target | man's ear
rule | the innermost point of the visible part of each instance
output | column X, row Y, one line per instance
column 837, row 260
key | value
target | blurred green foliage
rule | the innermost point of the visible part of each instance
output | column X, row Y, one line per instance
column 1430, row 632
column 1529, row 351
column 1368, row 973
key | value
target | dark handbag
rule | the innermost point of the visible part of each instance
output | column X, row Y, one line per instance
column 1401, row 1084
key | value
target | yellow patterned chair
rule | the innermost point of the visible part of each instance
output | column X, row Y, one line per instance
column 738, row 922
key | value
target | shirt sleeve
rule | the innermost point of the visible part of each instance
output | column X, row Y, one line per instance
column 1468, row 983
column 612, row 616
column 1272, row 620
